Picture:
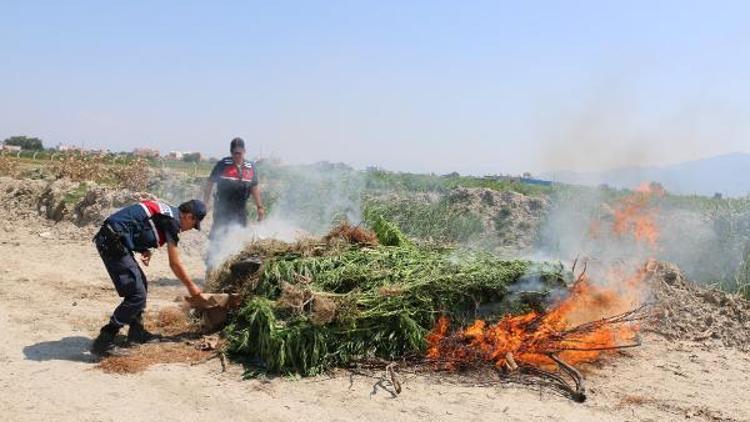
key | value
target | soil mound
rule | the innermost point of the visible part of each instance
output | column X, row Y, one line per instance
column 688, row 311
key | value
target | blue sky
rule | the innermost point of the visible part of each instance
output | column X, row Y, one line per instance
column 476, row 87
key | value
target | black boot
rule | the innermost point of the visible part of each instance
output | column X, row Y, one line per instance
column 138, row 334
column 104, row 344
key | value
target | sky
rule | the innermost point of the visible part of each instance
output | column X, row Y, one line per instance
column 475, row 87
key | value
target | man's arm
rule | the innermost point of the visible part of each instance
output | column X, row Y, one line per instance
column 176, row 265
column 207, row 190
column 255, row 191
column 210, row 181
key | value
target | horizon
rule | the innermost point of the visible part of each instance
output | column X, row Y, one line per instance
column 485, row 88
column 543, row 175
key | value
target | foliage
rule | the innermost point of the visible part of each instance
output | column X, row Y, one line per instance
column 191, row 157
column 380, row 180
column 8, row 166
column 76, row 195
column 134, row 176
column 80, row 167
column 25, row 142
column 384, row 300
column 439, row 221
column 388, row 233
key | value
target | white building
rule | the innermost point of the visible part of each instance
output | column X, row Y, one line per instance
column 67, row 148
column 175, row 155
column 10, row 148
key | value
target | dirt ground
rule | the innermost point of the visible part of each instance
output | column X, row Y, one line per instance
column 54, row 295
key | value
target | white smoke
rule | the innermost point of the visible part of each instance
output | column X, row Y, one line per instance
column 231, row 239
column 305, row 200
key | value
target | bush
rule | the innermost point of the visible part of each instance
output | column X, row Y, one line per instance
column 8, row 166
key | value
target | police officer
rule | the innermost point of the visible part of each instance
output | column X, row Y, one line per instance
column 139, row 228
column 236, row 179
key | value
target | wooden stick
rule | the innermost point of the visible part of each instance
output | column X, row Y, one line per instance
column 510, row 362
column 391, row 371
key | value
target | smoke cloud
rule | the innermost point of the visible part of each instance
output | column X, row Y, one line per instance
column 303, row 201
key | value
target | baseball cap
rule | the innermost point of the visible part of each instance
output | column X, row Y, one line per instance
column 198, row 209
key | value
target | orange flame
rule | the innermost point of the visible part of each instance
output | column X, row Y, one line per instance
column 634, row 215
column 577, row 327
column 531, row 337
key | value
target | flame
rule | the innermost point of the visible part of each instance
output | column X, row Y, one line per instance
column 578, row 328
column 634, row 214
column 530, row 337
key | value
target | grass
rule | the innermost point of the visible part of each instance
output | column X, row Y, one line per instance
column 440, row 221
column 380, row 180
column 76, row 195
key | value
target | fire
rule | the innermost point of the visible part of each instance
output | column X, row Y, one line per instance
column 634, row 214
column 577, row 329
column 591, row 320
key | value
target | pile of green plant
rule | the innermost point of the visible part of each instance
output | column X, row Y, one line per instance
column 323, row 303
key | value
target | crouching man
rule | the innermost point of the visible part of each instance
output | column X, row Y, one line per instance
column 139, row 228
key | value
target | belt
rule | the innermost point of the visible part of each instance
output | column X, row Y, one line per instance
column 108, row 242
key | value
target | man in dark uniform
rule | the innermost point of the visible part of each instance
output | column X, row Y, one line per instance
column 236, row 179
column 139, row 228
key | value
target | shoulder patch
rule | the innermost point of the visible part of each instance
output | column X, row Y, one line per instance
column 165, row 209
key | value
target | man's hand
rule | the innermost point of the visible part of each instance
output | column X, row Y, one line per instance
column 261, row 212
column 179, row 270
column 146, row 257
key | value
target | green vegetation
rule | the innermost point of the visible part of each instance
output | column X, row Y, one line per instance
column 76, row 195
column 379, row 180
column 440, row 221
column 25, row 142
column 317, row 305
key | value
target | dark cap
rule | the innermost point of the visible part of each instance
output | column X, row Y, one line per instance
column 236, row 143
column 197, row 208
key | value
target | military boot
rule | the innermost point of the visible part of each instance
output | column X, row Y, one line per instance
column 138, row 333
column 104, row 344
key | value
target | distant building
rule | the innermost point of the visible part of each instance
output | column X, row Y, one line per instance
column 67, row 148
column 174, row 155
column 10, row 148
column 146, row 152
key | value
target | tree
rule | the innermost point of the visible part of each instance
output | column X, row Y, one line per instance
column 25, row 142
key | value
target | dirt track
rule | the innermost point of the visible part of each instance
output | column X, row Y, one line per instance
column 54, row 294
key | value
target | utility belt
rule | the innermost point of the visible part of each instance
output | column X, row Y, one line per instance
column 108, row 243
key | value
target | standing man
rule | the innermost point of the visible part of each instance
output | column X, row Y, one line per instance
column 236, row 180
column 138, row 228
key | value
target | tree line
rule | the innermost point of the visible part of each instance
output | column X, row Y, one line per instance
column 25, row 142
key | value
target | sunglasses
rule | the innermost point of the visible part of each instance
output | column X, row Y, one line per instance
column 238, row 152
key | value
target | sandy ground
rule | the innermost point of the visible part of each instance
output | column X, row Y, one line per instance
column 54, row 294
